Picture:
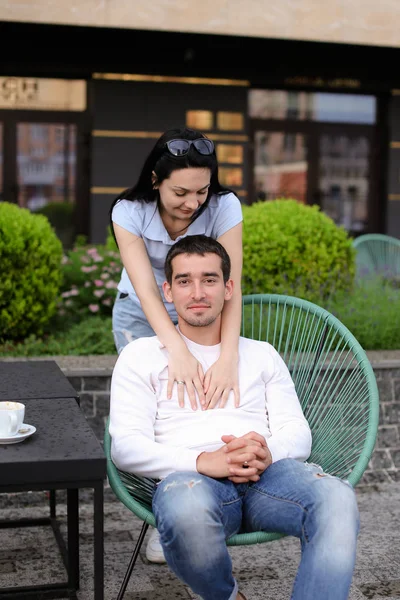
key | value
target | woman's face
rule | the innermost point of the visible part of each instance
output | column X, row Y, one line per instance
column 184, row 192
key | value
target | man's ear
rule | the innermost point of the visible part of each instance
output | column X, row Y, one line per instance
column 229, row 289
column 167, row 291
column 154, row 180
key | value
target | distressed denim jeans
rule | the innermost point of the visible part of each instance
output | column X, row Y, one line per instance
column 195, row 514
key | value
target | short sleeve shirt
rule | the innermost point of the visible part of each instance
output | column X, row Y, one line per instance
column 144, row 220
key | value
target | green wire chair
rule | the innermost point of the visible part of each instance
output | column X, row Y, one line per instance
column 336, row 387
column 377, row 254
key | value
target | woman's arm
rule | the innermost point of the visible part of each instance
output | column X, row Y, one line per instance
column 182, row 366
column 222, row 377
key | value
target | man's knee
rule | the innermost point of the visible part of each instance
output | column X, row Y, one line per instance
column 336, row 507
column 182, row 498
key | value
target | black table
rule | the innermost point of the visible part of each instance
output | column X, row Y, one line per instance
column 21, row 380
column 64, row 453
column 24, row 379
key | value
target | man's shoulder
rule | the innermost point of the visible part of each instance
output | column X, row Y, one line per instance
column 258, row 352
column 247, row 344
column 145, row 350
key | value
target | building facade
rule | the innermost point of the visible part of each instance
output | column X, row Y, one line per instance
column 300, row 102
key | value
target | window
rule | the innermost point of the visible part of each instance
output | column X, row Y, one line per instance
column 322, row 107
column 230, row 121
column 203, row 120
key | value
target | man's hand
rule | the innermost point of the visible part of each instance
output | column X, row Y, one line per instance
column 247, row 443
column 219, row 464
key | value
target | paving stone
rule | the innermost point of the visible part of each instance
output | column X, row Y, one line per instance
column 30, row 555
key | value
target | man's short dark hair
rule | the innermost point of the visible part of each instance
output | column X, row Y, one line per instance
column 201, row 245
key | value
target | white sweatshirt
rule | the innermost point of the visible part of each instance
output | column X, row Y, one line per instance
column 152, row 436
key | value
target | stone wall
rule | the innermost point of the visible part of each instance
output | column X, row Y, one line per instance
column 94, row 391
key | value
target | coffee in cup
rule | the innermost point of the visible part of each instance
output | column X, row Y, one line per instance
column 11, row 418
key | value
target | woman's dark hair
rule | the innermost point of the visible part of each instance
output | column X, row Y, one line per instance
column 200, row 245
column 163, row 163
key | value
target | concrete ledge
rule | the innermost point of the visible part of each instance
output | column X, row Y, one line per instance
column 102, row 365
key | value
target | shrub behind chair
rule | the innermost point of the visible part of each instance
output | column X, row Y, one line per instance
column 290, row 248
column 30, row 279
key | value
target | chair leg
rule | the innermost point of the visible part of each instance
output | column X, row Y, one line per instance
column 135, row 554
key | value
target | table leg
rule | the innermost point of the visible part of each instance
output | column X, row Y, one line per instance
column 73, row 538
column 52, row 503
column 98, row 526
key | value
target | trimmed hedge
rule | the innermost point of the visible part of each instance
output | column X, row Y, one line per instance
column 30, row 259
column 291, row 248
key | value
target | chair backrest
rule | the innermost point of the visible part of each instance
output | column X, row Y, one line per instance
column 377, row 254
column 333, row 377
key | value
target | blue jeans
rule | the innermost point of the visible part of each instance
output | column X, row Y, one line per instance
column 195, row 515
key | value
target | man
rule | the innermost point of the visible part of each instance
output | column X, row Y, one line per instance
column 232, row 469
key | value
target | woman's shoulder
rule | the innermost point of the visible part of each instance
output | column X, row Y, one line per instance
column 133, row 212
column 221, row 202
column 131, row 206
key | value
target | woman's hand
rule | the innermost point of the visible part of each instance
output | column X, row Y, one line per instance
column 186, row 371
column 220, row 379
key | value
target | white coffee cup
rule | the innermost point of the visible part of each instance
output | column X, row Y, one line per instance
column 11, row 418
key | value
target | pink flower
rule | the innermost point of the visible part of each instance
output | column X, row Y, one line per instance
column 107, row 301
column 87, row 284
column 105, row 276
column 88, row 269
column 98, row 282
column 92, row 251
column 94, row 308
column 111, row 285
column 64, row 260
column 74, row 292
column 99, row 293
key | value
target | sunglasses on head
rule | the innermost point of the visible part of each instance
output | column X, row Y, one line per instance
column 181, row 147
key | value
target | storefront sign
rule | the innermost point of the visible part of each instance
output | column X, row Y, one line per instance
column 30, row 93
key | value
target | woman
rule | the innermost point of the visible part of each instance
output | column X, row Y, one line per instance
column 177, row 194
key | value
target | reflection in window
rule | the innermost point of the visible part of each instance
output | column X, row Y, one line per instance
column 230, row 121
column 46, row 157
column 343, row 180
column 203, row 120
column 314, row 106
column 230, row 153
column 231, row 177
column 280, row 168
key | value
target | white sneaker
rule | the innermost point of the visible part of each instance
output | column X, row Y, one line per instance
column 154, row 551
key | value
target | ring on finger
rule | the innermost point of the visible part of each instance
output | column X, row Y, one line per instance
column 245, row 465
column 180, row 382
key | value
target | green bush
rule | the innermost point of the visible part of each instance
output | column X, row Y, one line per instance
column 371, row 312
column 290, row 248
column 110, row 241
column 30, row 259
column 61, row 216
column 91, row 336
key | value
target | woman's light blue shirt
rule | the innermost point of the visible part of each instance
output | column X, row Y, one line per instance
column 144, row 220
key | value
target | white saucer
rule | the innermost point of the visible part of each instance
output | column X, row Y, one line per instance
column 24, row 432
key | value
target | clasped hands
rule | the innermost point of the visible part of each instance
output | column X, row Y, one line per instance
column 228, row 461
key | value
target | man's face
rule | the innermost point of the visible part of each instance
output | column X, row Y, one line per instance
column 198, row 290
